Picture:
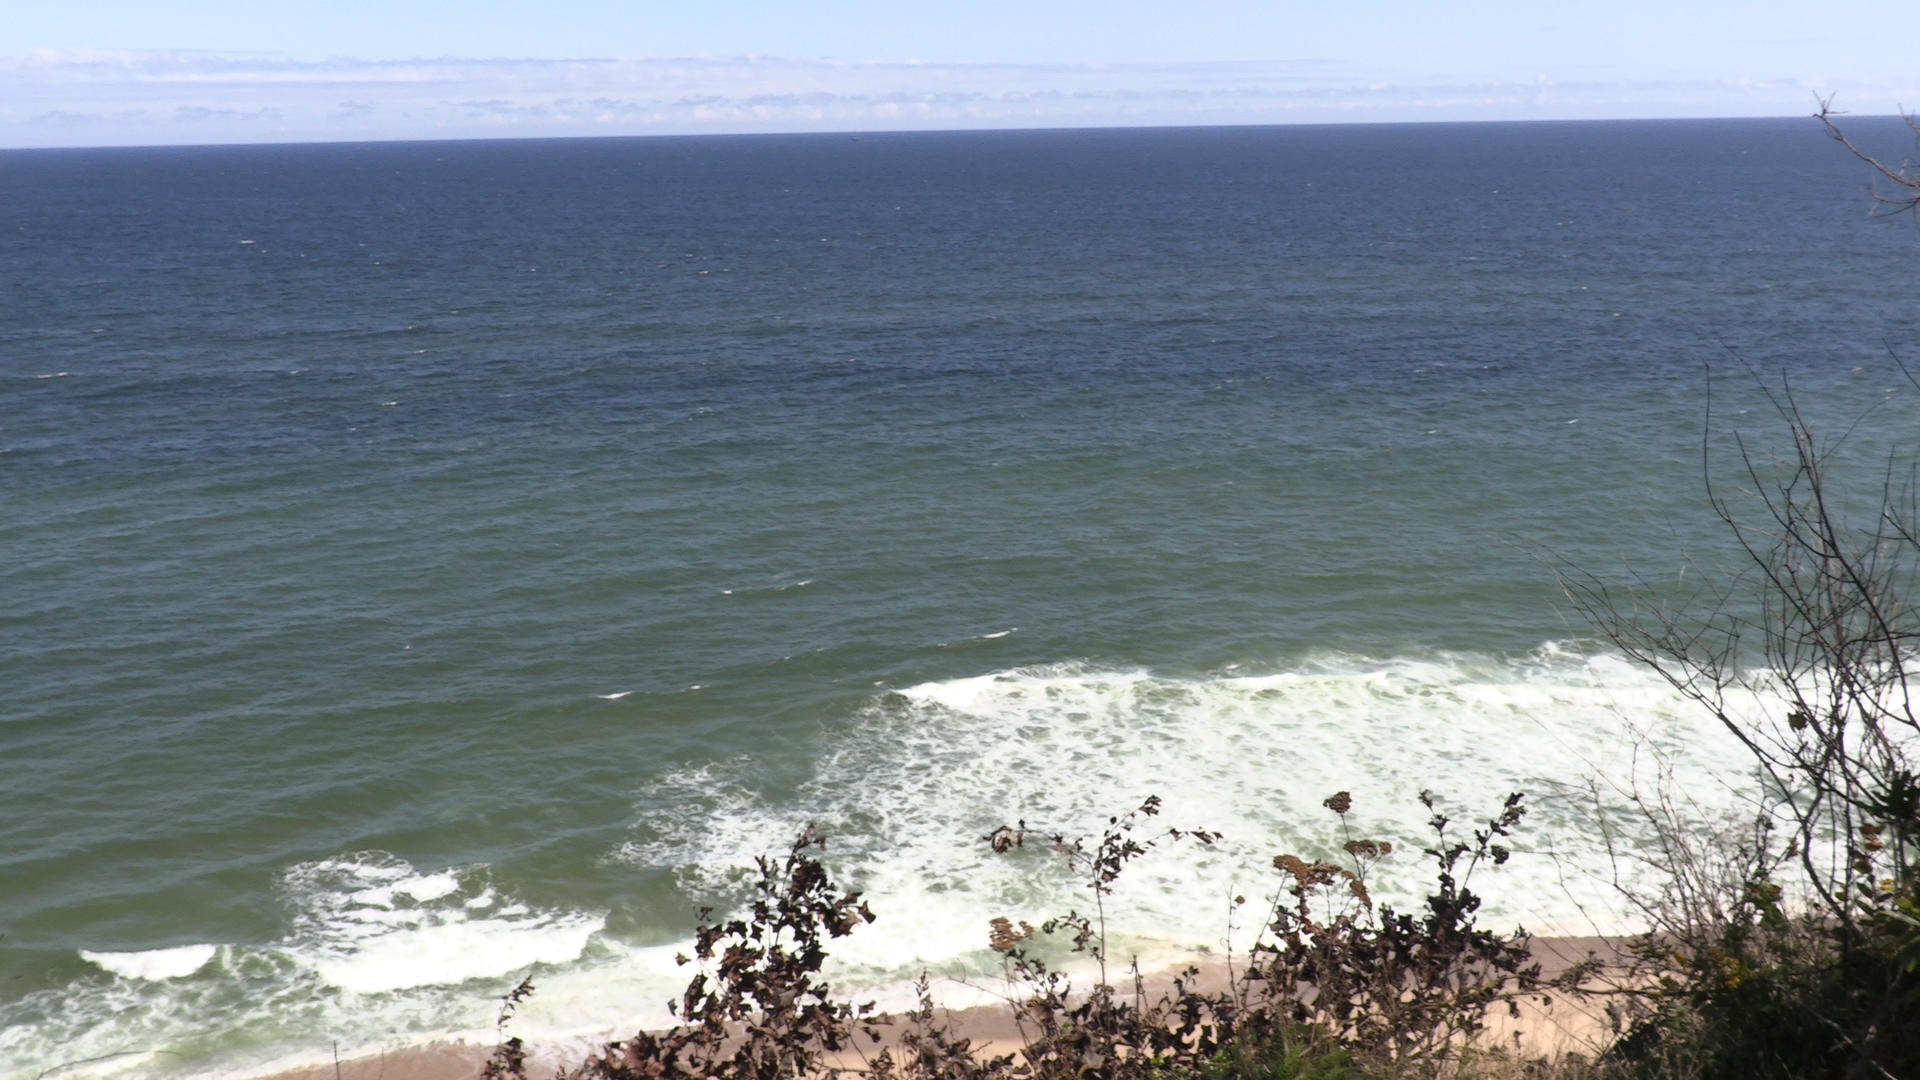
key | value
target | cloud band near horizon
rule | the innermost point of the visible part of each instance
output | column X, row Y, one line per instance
column 168, row 98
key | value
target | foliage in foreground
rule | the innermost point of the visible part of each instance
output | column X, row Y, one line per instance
column 1337, row 986
column 1782, row 996
column 1800, row 955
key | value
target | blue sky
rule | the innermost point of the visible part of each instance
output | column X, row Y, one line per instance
column 135, row 72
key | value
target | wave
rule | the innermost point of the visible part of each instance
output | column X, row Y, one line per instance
column 370, row 924
column 779, row 587
column 909, row 785
column 377, row 955
column 905, row 786
column 154, row 964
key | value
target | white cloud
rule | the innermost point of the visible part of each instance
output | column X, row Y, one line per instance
column 96, row 97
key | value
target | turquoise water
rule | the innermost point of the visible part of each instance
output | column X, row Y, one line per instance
column 435, row 562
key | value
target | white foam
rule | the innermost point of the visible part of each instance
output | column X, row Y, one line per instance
column 905, row 788
column 777, row 587
column 442, row 953
column 430, row 887
column 906, row 792
column 154, row 964
column 379, row 956
column 370, row 924
column 616, row 696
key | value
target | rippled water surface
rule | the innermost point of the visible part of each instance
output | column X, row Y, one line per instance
column 428, row 563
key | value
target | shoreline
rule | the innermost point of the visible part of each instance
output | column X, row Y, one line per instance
column 1571, row 1023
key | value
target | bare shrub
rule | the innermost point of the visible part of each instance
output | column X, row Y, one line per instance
column 1333, row 975
column 1904, row 178
column 1331, row 992
column 757, row 1009
column 1411, row 989
column 1805, row 657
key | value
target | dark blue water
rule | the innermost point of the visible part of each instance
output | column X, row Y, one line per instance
column 432, row 561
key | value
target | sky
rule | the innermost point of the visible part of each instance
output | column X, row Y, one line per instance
column 144, row 72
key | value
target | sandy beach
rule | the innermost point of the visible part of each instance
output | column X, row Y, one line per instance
column 1571, row 1023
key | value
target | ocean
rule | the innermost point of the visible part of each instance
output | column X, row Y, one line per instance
column 431, row 564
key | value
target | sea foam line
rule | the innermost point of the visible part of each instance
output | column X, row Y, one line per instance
column 906, row 789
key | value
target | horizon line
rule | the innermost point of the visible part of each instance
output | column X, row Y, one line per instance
column 858, row 133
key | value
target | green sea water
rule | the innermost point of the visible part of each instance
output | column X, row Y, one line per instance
column 434, row 563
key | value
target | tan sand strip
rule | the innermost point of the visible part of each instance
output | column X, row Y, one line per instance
column 1571, row 1023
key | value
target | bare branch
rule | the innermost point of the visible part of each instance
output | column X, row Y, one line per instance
column 1903, row 176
